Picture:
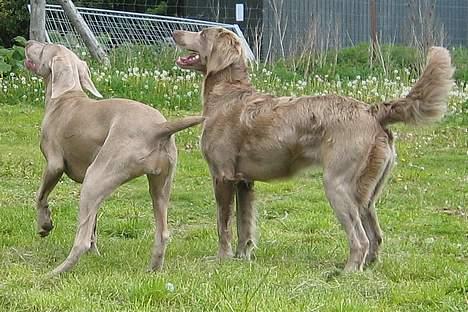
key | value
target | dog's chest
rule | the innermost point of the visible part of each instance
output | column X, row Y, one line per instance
column 234, row 158
column 217, row 142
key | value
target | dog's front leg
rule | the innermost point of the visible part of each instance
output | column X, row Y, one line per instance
column 51, row 175
column 246, row 219
column 224, row 194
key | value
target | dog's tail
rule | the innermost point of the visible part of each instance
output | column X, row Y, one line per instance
column 427, row 100
column 168, row 128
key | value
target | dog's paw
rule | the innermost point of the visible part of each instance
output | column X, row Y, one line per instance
column 244, row 251
column 94, row 249
column 225, row 254
column 352, row 267
column 154, row 269
column 371, row 259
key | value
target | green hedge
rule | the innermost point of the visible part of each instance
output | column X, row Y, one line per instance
column 350, row 62
column 14, row 20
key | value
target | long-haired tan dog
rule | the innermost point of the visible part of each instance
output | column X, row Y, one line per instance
column 250, row 136
column 101, row 144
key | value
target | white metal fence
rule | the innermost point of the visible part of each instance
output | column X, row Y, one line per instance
column 116, row 28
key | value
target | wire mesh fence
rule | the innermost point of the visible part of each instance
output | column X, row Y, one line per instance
column 116, row 28
column 281, row 28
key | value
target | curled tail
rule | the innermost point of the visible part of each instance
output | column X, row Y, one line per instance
column 427, row 100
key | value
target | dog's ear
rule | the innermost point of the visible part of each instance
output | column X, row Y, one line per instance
column 85, row 78
column 226, row 50
column 63, row 76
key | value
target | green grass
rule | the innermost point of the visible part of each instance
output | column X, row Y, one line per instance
column 301, row 250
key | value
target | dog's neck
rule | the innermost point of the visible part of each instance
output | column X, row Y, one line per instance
column 234, row 74
column 52, row 104
column 48, row 94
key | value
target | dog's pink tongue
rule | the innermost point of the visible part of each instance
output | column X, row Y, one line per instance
column 29, row 64
column 187, row 60
column 184, row 60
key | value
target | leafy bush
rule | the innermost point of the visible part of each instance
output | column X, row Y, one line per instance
column 351, row 62
column 460, row 60
column 14, row 20
column 160, row 8
column 12, row 59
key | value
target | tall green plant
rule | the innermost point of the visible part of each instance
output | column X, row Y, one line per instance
column 14, row 20
column 12, row 59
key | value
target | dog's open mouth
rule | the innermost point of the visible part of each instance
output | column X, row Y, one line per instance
column 29, row 64
column 189, row 60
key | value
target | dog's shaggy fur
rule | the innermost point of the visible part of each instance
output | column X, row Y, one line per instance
column 250, row 136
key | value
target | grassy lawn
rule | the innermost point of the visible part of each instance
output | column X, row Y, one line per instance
column 301, row 250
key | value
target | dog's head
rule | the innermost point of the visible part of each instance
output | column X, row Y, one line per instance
column 213, row 49
column 60, row 67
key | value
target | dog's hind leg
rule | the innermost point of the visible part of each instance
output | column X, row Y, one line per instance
column 160, row 188
column 369, row 184
column 101, row 179
column 224, row 194
column 341, row 198
column 51, row 175
column 246, row 220
column 369, row 216
column 94, row 247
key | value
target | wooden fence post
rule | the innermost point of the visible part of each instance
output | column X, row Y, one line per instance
column 83, row 30
column 37, row 21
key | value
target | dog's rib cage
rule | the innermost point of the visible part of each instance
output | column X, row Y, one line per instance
column 117, row 28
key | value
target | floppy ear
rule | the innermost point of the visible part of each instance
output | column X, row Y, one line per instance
column 85, row 78
column 63, row 76
column 225, row 51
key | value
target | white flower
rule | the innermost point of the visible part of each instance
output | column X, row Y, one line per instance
column 170, row 287
column 430, row 240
